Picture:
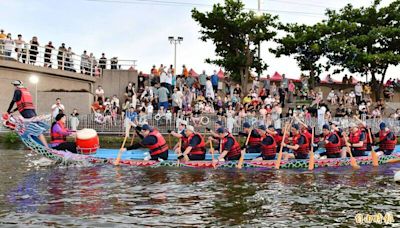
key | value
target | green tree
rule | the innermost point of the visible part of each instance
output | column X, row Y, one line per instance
column 306, row 44
column 236, row 34
column 365, row 40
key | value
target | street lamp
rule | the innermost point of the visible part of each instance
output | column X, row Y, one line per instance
column 34, row 80
column 174, row 41
column 259, row 14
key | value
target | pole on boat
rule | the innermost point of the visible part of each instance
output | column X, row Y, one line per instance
column 311, row 161
column 243, row 152
column 279, row 159
column 122, row 146
column 353, row 161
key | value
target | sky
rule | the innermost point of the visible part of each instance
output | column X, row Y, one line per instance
column 139, row 29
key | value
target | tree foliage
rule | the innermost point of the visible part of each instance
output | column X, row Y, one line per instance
column 236, row 34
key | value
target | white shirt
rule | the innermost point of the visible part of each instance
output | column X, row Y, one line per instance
column 163, row 77
column 56, row 109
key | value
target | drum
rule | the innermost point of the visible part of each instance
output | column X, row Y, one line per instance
column 87, row 141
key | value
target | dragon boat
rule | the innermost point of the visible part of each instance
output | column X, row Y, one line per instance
column 136, row 157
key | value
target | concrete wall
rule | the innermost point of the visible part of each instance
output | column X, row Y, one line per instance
column 48, row 79
column 115, row 82
column 79, row 100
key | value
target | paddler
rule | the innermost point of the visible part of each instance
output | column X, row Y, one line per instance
column 230, row 147
column 357, row 141
column 254, row 139
column 178, row 148
column 196, row 149
column 23, row 98
column 214, row 136
column 331, row 142
column 267, row 146
column 154, row 141
column 300, row 144
column 59, row 133
column 277, row 135
column 387, row 139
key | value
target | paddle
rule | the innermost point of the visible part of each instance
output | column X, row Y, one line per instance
column 394, row 160
column 133, row 138
column 122, row 146
column 353, row 161
column 212, row 153
column 374, row 155
column 241, row 159
column 279, row 159
column 311, row 161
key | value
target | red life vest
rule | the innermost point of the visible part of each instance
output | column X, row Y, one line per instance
column 253, row 141
column 341, row 140
column 161, row 145
column 385, row 143
column 235, row 149
column 26, row 101
column 199, row 148
column 307, row 134
column 355, row 138
column 304, row 148
column 269, row 150
column 332, row 148
column 369, row 140
column 278, row 138
column 185, row 143
column 57, row 137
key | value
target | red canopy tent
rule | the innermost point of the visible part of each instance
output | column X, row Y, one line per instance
column 220, row 73
column 276, row 77
column 294, row 79
column 193, row 73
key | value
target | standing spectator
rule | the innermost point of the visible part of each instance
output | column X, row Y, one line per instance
column 84, row 63
column 350, row 82
column 3, row 36
column 282, row 93
column 291, row 90
column 162, row 95
column 131, row 117
column 190, row 80
column 203, row 80
column 114, row 63
column 69, row 63
column 115, row 102
column 267, row 85
column 19, row 45
column 33, row 51
column 103, row 62
column 99, row 94
column 92, row 63
column 358, row 90
column 237, row 90
column 8, row 46
column 57, row 108
column 47, row 54
column 285, row 83
column 73, row 120
column 129, row 91
column 177, row 99
column 61, row 56
column 210, row 95
column 165, row 79
column 214, row 81
column 367, row 91
column 185, row 71
column 345, row 80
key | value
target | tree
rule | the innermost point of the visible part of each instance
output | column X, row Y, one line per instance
column 306, row 44
column 365, row 40
column 236, row 34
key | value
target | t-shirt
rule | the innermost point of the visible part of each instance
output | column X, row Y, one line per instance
column 214, row 79
column 333, row 139
column 162, row 94
column 57, row 109
column 228, row 145
column 202, row 79
column 195, row 141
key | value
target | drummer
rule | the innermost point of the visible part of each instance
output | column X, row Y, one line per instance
column 59, row 133
column 153, row 140
column 196, row 149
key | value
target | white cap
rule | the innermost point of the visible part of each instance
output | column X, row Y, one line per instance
column 183, row 122
column 190, row 128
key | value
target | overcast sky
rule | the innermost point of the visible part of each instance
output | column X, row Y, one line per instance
column 139, row 29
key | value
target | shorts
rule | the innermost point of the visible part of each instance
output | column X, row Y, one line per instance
column 163, row 156
column 267, row 157
column 197, row 157
column 164, row 104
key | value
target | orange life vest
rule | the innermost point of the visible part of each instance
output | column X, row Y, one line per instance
column 26, row 101
column 235, row 149
column 332, row 148
column 199, row 148
column 269, row 150
column 386, row 144
column 57, row 137
column 161, row 145
column 355, row 138
column 304, row 148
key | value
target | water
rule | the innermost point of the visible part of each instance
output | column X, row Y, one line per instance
column 127, row 196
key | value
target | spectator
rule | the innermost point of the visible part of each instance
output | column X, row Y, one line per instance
column 69, row 63
column 92, row 63
column 367, row 91
column 114, row 63
column 129, row 91
column 340, row 111
column 57, row 108
column 190, row 80
column 19, row 45
column 103, row 62
column 350, row 82
column 214, row 81
column 99, row 94
column 165, row 79
column 84, row 63
column 97, row 107
column 185, row 71
column 331, row 97
column 267, row 84
column 345, row 80
column 291, row 91
column 3, row 36
column 47, row 54
column 125, row 107
column 8, row 46
column 61, row 56
column 203, row 80
column 74, row 120
column 358, row 92
column 131, row 118
column 115, row 102
column 285, row 83
column 209, row 90
column 177, row 100
column 33, row 51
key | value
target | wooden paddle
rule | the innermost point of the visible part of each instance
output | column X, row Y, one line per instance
column 241, row 159
column 374, row 155
column 394, row 160
column 116, row 162
column 133, row 138
column 212, row 153
column 353, row 161
column 311, row 161
column 279, row 159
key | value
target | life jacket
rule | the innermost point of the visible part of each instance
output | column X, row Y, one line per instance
column 185, row 143
column 304, row 148
column 333, row 148
column 355, row 138
column 161, row 145
column 199, row 148
column 26, row 101
column 235, row 149
column 253, row 141
column 341, row 139
column 269, row 150
column 278, row 138
column 57, row 137
column 385, row 143
column 369, row 140
column 308, row 135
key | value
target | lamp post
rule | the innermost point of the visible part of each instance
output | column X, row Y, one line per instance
column 259, row 42
column 174, row 41
column 34, row 80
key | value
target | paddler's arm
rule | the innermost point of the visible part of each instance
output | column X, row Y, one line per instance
column 295, row 147
column 193, row 142
column 16, row 97
column 150, row 140
column 227, row 148
column 361, row 143
column 177, row 135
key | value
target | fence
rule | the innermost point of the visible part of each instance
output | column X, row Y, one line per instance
column 61, row 59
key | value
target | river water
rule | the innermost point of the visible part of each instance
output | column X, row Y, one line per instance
column 105, row 196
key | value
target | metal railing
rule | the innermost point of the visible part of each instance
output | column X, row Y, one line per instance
column 62, row 59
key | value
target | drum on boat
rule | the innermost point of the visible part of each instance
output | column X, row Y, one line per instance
column 87, row 141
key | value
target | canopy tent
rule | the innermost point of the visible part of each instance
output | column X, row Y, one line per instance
column 276, row 77
column 294, row 79
column 220, row 73
column 193, row 73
